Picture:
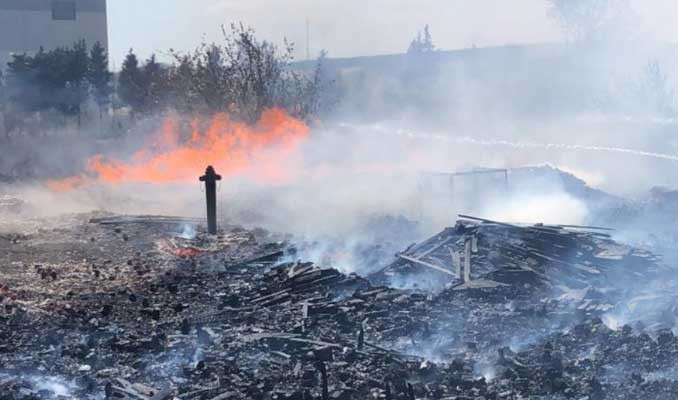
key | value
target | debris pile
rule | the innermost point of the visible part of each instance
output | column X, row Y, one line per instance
column 483, row 253
column 112, row 309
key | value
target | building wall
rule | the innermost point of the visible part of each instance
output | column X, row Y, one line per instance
column 27, row 25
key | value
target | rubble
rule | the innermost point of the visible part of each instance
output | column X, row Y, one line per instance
column 496, row 254
column 522, row 312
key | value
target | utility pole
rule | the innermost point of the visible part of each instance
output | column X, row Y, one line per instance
column 210, row 178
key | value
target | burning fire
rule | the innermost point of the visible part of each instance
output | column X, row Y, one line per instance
column 232, row 147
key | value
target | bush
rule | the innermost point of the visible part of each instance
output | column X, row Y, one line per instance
column 245, row 76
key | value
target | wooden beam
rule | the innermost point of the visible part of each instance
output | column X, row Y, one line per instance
column 425, row 264
column 434, row 248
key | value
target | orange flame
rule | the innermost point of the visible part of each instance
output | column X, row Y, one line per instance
column 231, row 147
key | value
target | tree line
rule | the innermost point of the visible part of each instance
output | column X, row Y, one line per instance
column 60, row 80
column 242, row 76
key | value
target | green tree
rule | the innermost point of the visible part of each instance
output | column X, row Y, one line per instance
column 22, row 87
column 154, row 85
column 131, row 86
column 260, row 75
column 99, row 76
column 74, row 79
column 181, row 93
column 243, row 76
column 50, row 80
column 211, row 78
column 423, row 43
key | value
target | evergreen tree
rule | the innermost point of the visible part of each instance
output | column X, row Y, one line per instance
column 22, row 82
column 74, row 79
column 154, row 85
column 181, row 93
column 422, row 43
column 50, row 80
column 130, row 83
column 99, row 77
column 428, row 42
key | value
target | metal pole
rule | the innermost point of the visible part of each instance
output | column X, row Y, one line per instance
column 210, row 178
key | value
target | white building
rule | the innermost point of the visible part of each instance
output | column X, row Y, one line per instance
column 27, row 25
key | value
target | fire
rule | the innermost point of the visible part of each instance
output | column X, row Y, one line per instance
column 261, row 150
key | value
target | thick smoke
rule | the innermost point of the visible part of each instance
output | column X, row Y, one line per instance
column 591, row 106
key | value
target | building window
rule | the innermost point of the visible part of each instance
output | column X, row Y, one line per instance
column 63, row 10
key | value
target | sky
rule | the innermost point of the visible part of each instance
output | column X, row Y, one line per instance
column 347, row 28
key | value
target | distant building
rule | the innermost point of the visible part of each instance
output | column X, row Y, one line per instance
column 27, row 25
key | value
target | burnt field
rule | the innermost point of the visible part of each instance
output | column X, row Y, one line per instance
column 99, row 306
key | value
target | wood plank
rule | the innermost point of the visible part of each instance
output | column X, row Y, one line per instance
column 434, row 248
column 425, row 264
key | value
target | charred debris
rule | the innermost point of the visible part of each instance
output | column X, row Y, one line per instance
column 136, row 308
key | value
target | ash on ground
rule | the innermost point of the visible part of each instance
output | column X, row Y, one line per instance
column 115, row 307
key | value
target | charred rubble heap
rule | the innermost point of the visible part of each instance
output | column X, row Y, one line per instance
column 133, row 308
column 478, row 253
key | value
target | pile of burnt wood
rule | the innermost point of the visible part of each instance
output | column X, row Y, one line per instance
column 483, row 253
column 526, row 315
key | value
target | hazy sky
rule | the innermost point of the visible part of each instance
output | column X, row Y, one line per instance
column 348, row 27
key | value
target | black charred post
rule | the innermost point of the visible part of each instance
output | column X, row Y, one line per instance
column 323, row 376
column 410, row 391
column 388, row 394
column 361, row 338
column 210, row 178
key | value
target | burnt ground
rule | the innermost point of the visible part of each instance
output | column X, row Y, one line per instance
column 95, row 306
